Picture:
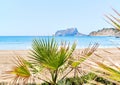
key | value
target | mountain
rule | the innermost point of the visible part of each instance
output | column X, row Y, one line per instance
column 68, row 32
column 106, row 32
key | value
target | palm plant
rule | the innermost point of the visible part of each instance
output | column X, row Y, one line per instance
column 109, row 69
column 45, row 56
column 48, row 62
column 75, row 63
column 114, row 21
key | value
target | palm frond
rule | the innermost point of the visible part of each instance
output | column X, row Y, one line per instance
column 85, row 54
column 49, row 54
column 107, row 69
column 75, row 64
column 116, row 11
column 19, row 73
column 109, row 72
column 113, row 20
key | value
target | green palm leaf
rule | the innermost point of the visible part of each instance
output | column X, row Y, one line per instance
column 47, row 53
column 109, row 72
column 20, row 71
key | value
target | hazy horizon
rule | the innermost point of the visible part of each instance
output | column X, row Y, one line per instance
column 45, row 17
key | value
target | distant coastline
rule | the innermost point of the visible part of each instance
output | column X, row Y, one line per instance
column 103, row 32
column 106, row 32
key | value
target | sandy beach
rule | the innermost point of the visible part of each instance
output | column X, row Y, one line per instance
column 7, row 56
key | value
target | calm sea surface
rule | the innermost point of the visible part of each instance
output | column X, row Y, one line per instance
column 25, row 42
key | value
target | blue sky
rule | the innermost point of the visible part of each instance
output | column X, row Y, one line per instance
column 45, row 17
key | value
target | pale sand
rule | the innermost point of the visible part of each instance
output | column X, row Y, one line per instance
column 6, row 56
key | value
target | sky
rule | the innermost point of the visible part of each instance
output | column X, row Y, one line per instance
column 45, row 17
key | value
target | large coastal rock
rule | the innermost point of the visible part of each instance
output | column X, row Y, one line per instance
column 68, row 32
column 106, row 32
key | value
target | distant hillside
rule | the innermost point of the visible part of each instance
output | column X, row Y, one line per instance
column 106, row 32
column 68, row 32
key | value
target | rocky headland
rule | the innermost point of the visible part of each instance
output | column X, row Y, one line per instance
column 106, row 32
column 68, row 32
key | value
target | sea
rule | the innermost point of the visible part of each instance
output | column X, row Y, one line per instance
column 25, row 42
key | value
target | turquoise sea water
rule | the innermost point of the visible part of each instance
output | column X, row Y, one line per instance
column 25, row 42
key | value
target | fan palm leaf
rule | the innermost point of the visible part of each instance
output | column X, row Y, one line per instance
column 47, row 53
column 75, row 64
column 19, row 73
column 86, row 53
